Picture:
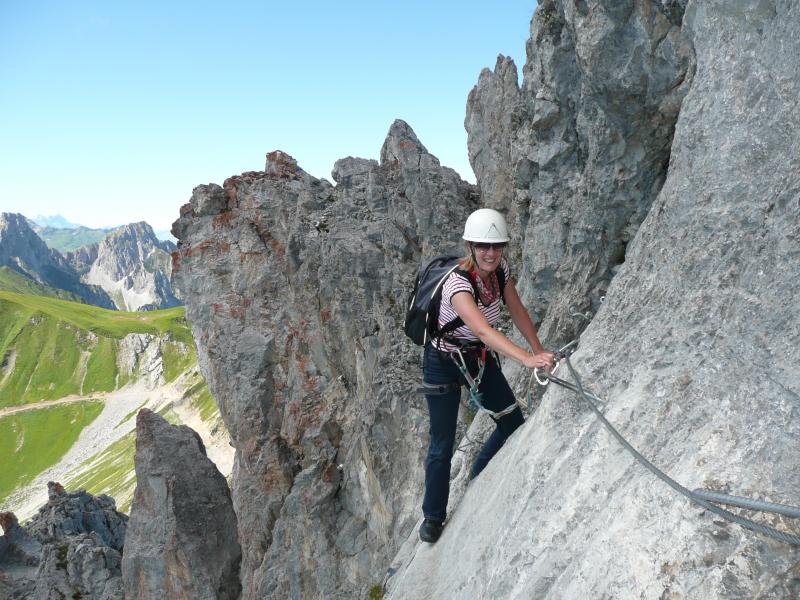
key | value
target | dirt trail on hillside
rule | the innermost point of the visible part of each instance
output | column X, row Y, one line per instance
column 10, row 410
column 109, row 426
column 114, row 422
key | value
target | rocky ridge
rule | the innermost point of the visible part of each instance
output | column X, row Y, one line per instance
column 636, row 150
column 182, row 536
column 71, row 549
column 579, row 152
column 295, row 289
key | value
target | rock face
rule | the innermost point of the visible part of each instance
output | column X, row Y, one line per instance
column 71, row 549
column 652, row 143
column 296, row 292
column 694, row 348
column 132, row 265
column 182, row 536
column 579, row 153
column 142, row 354
column 25, row 252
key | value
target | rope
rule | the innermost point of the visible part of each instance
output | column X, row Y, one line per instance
column 700, row 497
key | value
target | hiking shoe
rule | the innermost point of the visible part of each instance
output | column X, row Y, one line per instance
column 430, row 530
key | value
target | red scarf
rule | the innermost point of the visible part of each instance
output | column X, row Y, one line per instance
column 491, row 293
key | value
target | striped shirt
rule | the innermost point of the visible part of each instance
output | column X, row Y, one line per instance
column 454, row 284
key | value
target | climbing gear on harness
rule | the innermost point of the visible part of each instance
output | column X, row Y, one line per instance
column 473, row 383
column 421, row 323
column 486, row 225
column 703, row 498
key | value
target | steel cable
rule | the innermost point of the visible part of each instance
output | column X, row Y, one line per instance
column 700, row 497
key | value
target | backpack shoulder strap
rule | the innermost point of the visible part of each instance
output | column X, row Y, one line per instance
column 458, row 321
column 468, row 276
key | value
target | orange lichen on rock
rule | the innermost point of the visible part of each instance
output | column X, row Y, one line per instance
column 330, row 472
column 222, row 219
column 277, row 248
column 281, row 165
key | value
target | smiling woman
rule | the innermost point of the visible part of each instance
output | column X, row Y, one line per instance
column 471, row 303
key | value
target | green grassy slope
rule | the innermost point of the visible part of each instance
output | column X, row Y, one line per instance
column 108, row 323
column 11, row 281
column 51, row 348
column 32, row 441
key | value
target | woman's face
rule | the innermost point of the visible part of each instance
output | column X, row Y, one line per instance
column 488, row 255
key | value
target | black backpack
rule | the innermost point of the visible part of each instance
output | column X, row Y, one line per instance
column 422, row 315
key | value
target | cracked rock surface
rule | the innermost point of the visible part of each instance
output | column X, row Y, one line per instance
column 182, row 535
column 649, row 167
column 299, row 337
column 72, row 548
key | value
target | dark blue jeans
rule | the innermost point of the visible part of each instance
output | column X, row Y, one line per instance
column 439, row 368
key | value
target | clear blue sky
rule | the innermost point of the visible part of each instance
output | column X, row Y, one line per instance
column 111, row 112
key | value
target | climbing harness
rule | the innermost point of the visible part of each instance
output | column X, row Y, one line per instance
column 473, row 383
column 701, row 497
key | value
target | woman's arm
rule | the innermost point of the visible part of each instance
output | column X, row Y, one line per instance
column 521, row 318
column 464, row 305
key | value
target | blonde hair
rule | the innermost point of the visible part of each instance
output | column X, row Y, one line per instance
column 468, row 263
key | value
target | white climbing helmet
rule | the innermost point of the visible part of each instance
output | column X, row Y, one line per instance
column 486, row 225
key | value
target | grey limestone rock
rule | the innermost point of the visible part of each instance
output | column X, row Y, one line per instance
column 493, row 111
column 132, row 265
column 694, row 351
column 83, row 568
column 70, row 549
column 578, row 153
column 182, row 537
column 19, row 559
column 73, row 513
column 296, row 292
column 143, row 354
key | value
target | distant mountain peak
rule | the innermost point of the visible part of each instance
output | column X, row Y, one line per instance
column 23, row 251
column 132, row 265
column 54, row 221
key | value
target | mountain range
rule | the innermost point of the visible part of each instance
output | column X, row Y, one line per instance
column 63, row 235
column 127, row 268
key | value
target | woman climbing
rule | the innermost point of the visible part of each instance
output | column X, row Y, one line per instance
column 459, row 354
